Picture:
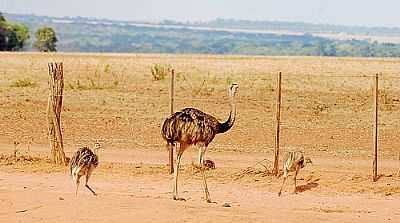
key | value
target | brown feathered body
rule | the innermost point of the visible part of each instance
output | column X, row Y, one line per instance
column 82, row 163
column 292, row 161
column 193, row 126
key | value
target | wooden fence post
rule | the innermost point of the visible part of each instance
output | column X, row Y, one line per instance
column 171, row 109
column 375, row 129
column 54, row 105
column 277, row 123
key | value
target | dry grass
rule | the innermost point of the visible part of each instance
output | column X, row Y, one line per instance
column 160, row 71
column 112, row 97
column 23, row 83
column 326, row 101
column 327, row 113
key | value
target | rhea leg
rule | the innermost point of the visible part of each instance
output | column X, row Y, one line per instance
column 285, row 174
column 294, row 178
column 75, row 179
column 89, row 173
column 94, row 193
column 170, row 148
column 202, row 168
column 179, row 153
column 77, row 184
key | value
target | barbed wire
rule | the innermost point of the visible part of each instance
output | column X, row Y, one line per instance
column 78, row 142
column 242, row 100
column 215, row 100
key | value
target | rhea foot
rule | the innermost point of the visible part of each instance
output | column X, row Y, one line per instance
column 178, row 198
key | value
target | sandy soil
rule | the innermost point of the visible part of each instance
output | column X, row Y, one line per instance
column 136, row 187
column 326, row 113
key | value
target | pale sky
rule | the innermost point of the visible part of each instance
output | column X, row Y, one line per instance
column 343, row 12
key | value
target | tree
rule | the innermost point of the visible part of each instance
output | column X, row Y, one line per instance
column 3, row 34
column 2, row 19
column 21, row 33
column 12, row 35
column 45, row 39
column 16, row 36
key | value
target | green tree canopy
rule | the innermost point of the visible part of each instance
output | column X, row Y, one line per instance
column 3, row 33
column 12, row 35
column 2, row 19
column 45, row 39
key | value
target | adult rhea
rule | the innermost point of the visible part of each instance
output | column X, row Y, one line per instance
column 191, row 126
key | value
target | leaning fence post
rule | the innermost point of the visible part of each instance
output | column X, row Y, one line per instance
column 375, row 129
column 171, row 109
column 54, row 105
column 277, row 123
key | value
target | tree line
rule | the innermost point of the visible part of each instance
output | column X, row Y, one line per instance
column 92, row 35
column 290, row 26
column 14, row 37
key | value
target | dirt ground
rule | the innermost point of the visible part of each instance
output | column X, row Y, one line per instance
column 327, row 113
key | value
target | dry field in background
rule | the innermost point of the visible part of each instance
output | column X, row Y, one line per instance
column 327, row 112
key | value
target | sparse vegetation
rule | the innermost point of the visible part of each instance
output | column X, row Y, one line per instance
column 202, row 89
column 388, row 100
column 26, row 82
column 100, row 80
column 18, row 157
column 160, row 71
column 320, row 108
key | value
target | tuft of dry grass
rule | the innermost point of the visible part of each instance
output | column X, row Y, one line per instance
column 16, row 158
column 160, row 71
column 26, row 82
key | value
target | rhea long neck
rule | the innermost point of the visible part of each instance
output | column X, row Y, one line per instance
column 96, row 151
column 223, row 127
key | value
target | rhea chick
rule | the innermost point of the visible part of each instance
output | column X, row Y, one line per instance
column 82, row 163
column 293, row 162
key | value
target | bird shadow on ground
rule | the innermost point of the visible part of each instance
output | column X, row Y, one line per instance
column 310, row 185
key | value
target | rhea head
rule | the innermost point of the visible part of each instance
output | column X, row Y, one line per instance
column 97, row 146
column 233, row 89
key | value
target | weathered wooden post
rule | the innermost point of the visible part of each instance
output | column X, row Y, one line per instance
column 54, row 105
column 277, row 123
column 171, row 109
column 375, row 129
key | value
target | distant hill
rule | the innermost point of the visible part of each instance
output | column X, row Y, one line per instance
column 299, row 27
column 220, row 36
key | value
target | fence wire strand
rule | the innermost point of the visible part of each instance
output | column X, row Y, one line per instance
column 292, row 126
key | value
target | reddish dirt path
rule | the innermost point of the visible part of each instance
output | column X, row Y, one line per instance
column 49, row 198
column 29, row 193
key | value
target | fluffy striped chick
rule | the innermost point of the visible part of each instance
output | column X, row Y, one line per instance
column 83, row 163
column 293, row 162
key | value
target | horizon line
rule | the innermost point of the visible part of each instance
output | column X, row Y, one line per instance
column 206, row 21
